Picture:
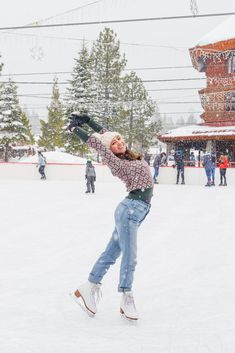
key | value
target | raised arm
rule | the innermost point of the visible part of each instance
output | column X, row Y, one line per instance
column 78, row 120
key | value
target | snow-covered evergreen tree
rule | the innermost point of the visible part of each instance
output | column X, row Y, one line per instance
column 191, row 119
column 167, row 123
column 108, row 65
column 12, row 129
column 136, row 112
column 28, row 129
column 82, row 94
column 52, row 131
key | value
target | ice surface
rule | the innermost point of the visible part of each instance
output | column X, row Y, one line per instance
column 51, row 234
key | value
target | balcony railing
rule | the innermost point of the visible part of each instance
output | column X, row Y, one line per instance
column 218, row 101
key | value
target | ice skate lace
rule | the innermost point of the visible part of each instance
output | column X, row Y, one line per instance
column 129, row 300
column 96, row 293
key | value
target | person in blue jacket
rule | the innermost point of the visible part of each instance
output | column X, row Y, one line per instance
column 209, row 164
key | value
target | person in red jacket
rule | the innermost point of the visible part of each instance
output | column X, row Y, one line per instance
column 223, row 165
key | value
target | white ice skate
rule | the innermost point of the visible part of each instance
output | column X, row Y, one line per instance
column 127, row 306
column 87, row 297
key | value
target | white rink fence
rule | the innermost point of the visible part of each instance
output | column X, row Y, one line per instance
column 76, row 172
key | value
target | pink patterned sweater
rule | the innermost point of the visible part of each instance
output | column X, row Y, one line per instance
column 135, row 174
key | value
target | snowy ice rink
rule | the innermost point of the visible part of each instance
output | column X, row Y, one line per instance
column 51, row 234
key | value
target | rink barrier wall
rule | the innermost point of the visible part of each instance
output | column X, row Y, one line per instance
column 76, row 172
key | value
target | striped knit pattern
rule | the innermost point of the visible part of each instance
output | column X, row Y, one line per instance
column 135, row 174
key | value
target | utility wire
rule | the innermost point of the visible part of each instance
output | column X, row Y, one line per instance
column 70, row 72
column 159, row 102
column 127, row 69
column 67, row 82
column 172, row 89
column 46, row 95
column 42, row 95
column 164, row 113
column 92, row 40
column 66, row 12
column 130, row 20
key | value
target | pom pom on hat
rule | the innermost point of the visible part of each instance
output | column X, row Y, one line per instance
column 107, row 137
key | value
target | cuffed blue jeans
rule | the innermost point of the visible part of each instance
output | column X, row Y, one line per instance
column 129, row 214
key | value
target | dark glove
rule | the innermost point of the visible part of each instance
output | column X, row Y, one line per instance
column 85, row 177
column 95, row 179
column 77, row 120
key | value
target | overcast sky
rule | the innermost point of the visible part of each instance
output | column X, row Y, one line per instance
column 146, row 44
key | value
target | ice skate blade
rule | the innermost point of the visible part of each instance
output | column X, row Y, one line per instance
column 130, row 319
column 81, row 303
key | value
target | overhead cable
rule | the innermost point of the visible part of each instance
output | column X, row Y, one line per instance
column 129, row 20
column 67, row 82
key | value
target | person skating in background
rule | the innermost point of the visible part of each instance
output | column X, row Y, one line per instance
column 131, row 168
column 41, row 164
column 156, row 165
column 192, row 159
column 163, row 159
column 147, row 157
column 213, row 159
column 179, row 164
column 208, row 165
column 223, row 164
column 90, row 176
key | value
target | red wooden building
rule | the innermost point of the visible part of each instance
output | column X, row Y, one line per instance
column 215, row 56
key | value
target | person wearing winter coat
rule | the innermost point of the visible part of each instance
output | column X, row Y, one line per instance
column 208, row 164
column 134, row 171
column 213, row 158
column 192, row 159
column 163, row 159
column 179, row 164
column 41, row 164
column 90, row 176
column 223, row 164
column 156, row 165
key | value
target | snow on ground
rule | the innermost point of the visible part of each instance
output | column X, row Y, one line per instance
column 51, row 234
column 55, row 157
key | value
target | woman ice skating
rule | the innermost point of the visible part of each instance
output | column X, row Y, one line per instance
column 41, row 164
column 129, row 214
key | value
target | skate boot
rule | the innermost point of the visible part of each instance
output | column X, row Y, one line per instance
column 87, row 296
column 127, row 306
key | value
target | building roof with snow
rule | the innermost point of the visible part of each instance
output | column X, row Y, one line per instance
column 216, row 45
column 224, row 31
column 199, row 132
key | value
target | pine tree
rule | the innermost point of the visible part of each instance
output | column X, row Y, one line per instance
column 28, row 129
column 191, row 119
column 180, row 122
column 135, row 114
column 81, row 94
column 108, row 65
column 52, row 136
column 12, row 129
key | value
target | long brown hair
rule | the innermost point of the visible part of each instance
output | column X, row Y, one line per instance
column 130, row 155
